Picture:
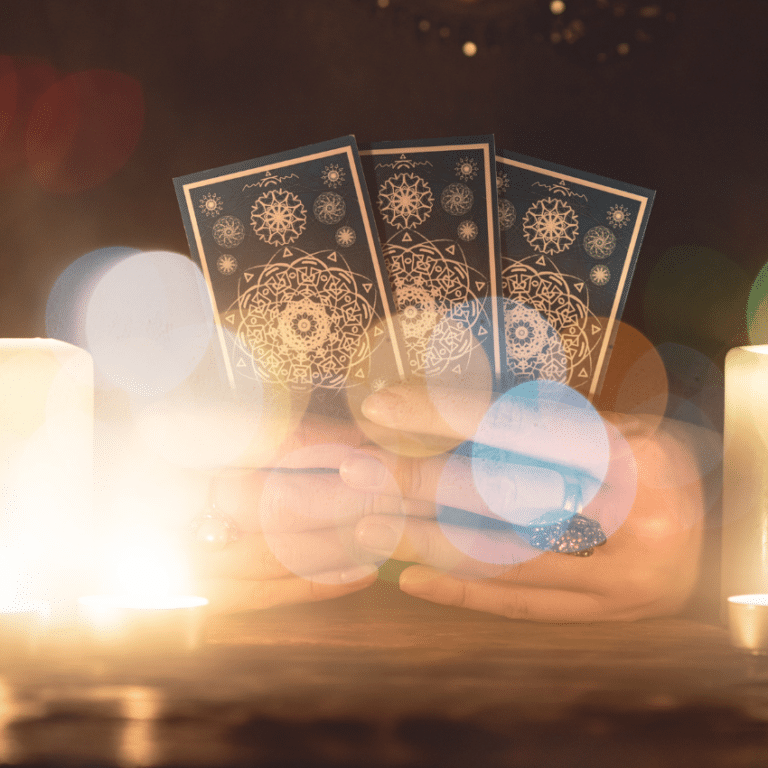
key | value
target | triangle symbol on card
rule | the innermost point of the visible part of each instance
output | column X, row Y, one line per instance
column 541, row 261
column 579, row 286
column 359, row 374
column 596, row 329
column 451, row 249
column 377, row 332
column 230, row 318
column 241, row 363
column 367, row 286
column 457, row 369
column 479, row 285
column 407, row 238
column 333, row 257
column 482, row 331
column 248, row 276
column 287, row 253
column 583, row 373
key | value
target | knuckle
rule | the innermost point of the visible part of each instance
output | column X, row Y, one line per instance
column 514, row 605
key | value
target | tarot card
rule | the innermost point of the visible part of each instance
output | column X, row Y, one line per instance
column 289, row 250
column 435, row 206
column 569, row 244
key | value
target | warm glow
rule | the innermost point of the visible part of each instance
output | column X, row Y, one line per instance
column 469, row 48
column 557, row 7
column 749, row 599
column 147, row 568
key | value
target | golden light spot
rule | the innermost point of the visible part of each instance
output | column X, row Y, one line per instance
column 469, row 48
column 557, row 7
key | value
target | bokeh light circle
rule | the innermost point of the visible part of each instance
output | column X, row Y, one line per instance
column 544, row 425
column 83, row 129
column 307, row 522
column 148, row 322
column 715, row 289
column 68, row 299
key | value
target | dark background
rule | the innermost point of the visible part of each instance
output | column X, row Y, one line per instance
column 682, row 112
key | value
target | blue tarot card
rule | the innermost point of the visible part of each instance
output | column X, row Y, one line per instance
column 569, row 244
column 289, row 250
column 435, row 207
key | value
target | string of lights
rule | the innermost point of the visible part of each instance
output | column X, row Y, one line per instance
column 593, row 31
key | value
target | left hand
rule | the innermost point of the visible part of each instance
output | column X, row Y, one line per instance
column 651, row 505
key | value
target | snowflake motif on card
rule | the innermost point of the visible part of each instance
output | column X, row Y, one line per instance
column 228, row 232
column 434, row 292
column 550, row 331
column 333, row 175
column 329, row 208
column 599, row 242
column 345, row 236
column 507, row 215
column 457, row 199
column 211, row 204
column 467, row 230
column 226, row 264
column 550, row 225
column 618, row 216
column 502, row 182
column 600, row 274
column 466, row 169
column 278, row 217
column 405, row 200
column 302, row 321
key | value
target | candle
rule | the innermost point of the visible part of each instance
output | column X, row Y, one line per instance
column 124, row 624
column 46, row 437
column 748, row 622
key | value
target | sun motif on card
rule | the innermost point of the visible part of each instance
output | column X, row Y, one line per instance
column 502, row 182
column 333, row 175
column 278, row 217
column 211, row 204
column 226, row 264
column 600, row 274
column 618, row 216
column 466, row 169
column 467, row 230
column 405, row 200
column 345, row 236
column 550, row 225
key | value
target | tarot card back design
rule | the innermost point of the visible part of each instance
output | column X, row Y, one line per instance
column 435, row 206
column 569, row 244
column 289, row 250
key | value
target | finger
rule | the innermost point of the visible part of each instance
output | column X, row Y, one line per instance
column 270, row 556
column 275, row 501
column 513, row 492
column 481, row 554
column 420, row 409
column 542, row 425
column 506, row 599
column 233, row 595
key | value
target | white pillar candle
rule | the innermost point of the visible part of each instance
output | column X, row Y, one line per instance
column 745, row 473
column 46, row 464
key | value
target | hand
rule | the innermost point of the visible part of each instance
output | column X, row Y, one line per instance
column 297, row 541
column 650, row 504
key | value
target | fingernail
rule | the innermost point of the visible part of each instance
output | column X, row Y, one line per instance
column 377, row 536
column 381, row 407
column 363, row 471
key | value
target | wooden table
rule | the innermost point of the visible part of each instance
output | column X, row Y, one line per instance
column 381, row 679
